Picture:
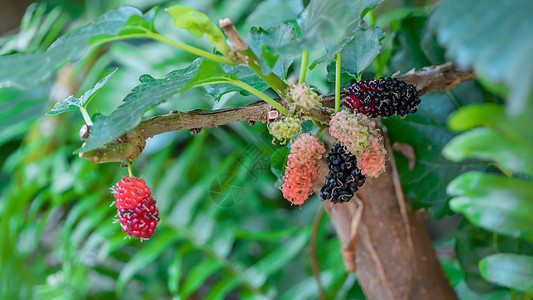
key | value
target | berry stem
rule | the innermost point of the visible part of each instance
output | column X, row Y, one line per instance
column 253, row 91
column 163, row 39
column 320, row 129
column 372, row 17
column 303, row 66
column 129, row 169
column 337, row 82
column 86, row 116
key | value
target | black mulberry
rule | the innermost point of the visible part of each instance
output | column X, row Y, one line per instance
column 344, row 178
column 382, row 97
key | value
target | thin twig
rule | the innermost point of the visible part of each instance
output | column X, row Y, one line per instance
column 312, row 252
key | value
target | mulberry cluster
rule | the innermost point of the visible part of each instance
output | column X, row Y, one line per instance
column 303, row 96
column 137, row 213
column 382, row 97
column 284, row 129
column 372, row 161
column 344, row 178
column 302, row 168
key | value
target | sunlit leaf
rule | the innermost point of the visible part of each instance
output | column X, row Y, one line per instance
column 198, row 24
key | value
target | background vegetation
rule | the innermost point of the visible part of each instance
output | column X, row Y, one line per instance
column 226, row 232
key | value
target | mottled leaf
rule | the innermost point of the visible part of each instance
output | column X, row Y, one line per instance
column 361, row 51
column 264, row 43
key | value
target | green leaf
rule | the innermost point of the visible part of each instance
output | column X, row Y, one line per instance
column 174, row 273
column 361, row 51
column 490, row 144
column 154, row 91
column 332, row 22
column 72, row 103
column 468, row 117
column 197, row 276
column 273, row 12
column 27, row 69
column 278, row 161
column 198, row 24
column 260, row 271
column 426, row 133
column 153, row 248
column 242, row 73
column 264, row 43
column 509, row 270
column 472, row 244
column 129, row 114
column 494, row 202
column 138, row 24
column 494, row 38
column 407, row 52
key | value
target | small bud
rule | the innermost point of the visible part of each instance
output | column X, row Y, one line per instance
column 84, row 132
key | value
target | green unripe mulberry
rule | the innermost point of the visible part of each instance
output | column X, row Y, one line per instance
column 284, row 129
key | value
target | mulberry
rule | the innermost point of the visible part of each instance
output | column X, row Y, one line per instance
column 137, row 213
column 303, row 96
column 382, row 97
column 302, row 168
column 344, row 178
column 284, row 129
column 353, row 131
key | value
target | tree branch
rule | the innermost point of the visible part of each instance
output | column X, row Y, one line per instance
column 130, row 145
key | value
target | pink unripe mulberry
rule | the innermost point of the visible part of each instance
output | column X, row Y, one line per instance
column 302, row 168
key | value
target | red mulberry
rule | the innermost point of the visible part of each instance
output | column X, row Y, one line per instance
column 137, row 211
column 382, row 97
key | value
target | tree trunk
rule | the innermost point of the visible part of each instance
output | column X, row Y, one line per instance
column 393, row 253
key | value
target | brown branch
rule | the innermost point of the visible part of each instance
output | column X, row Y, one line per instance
column 438, row 78
column 394, row 255
column 312, row 253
